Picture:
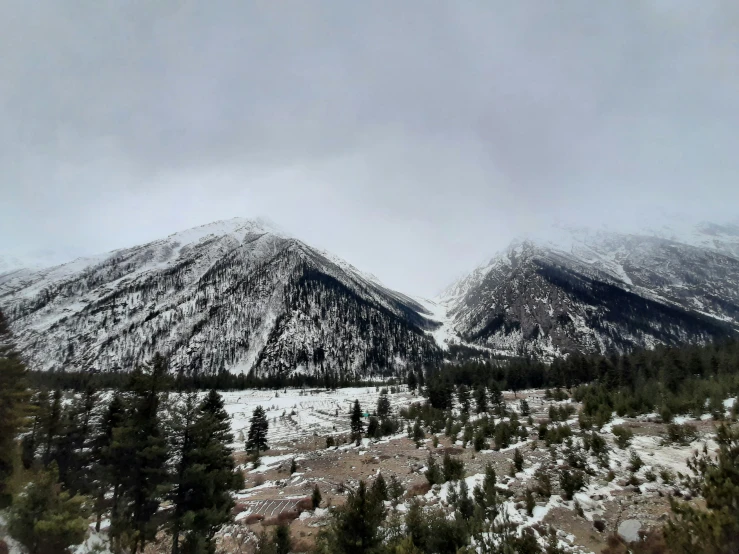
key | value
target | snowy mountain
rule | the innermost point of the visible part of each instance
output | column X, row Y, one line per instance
column 234, row 295
column 597, row 291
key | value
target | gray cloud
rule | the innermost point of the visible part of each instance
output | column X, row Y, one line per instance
column 413, row 139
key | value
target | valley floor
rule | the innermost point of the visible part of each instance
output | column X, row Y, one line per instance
column 301, row 420
column 614, row 500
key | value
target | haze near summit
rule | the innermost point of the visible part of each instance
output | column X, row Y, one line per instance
column 412, row 139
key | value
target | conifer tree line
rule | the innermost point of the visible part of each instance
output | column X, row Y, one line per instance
column 139, row 462
column 669, row 380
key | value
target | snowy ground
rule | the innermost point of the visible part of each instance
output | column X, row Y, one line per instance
column 294, row 414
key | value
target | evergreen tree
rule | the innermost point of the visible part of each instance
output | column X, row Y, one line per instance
column 518, row 460
column 356, row 525
column 108, row 467
column 524, row 405
column 463, row 396
column 45, row 519
column 433, row 473
column 453, row 468
column 205, row 475
column 383, row 405
column 257, row 438
column 356, row 422
column 418, row 434
column 31, row 441
column 316, row 497
column 496, row 399
column 74, row 448
column 379, row 489
column 144, row 452
column 412, row 381
column 481, row 400
column 14, row 398
column 52, row 426
column 421, row 379
column 715, row 529
column 281, row 539
column 486, row 496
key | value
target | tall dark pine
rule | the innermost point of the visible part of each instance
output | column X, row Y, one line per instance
column 144, row 452
column 52, row 426
column 463, row 395
column 74, row 449
column 109, row 460
column 13, row 403
column 356, row 422
column 257, row 437
column 205, row 475
column 356, row 527
column 481, row 400
column 383, row 405
column 412, row 381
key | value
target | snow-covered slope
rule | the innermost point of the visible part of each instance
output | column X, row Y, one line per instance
column 234, row 295
column 597, row 291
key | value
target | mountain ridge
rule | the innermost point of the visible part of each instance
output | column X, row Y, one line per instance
column 697, row 285
column 240, row 288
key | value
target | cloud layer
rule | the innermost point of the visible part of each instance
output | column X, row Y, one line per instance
column 414, row 139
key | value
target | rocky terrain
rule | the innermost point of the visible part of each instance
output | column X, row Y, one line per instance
column 597, row 292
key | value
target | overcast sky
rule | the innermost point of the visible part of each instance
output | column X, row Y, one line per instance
column 412, row 138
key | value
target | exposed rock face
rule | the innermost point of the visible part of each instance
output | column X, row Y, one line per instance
column 597, row 292
column 235, row 295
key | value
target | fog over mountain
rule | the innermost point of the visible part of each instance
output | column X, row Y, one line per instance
column 412, row 140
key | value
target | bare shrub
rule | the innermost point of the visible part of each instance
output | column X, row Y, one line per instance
column 251, row 519
column 419, row 489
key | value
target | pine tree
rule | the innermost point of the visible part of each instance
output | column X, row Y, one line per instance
column 356, row 422
column 486, row 496
column 316, row 497
column 518, row 460
column 412, row 381
column 715, row 529
column 45, row 519
column 257, row 438
column 31, row 441
column 74, row 449
column 14, row 398
column 463, row 395
column 52, row 426
column 496, row 400
column 356, row 525
column 108, row 461
column 281, row 539
column 481, row 400
column 433, row 473
column 383, row 405
column 379, row 489
column 205, row 475
column 144, row 452
column 418, row 434
column 524, row 405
